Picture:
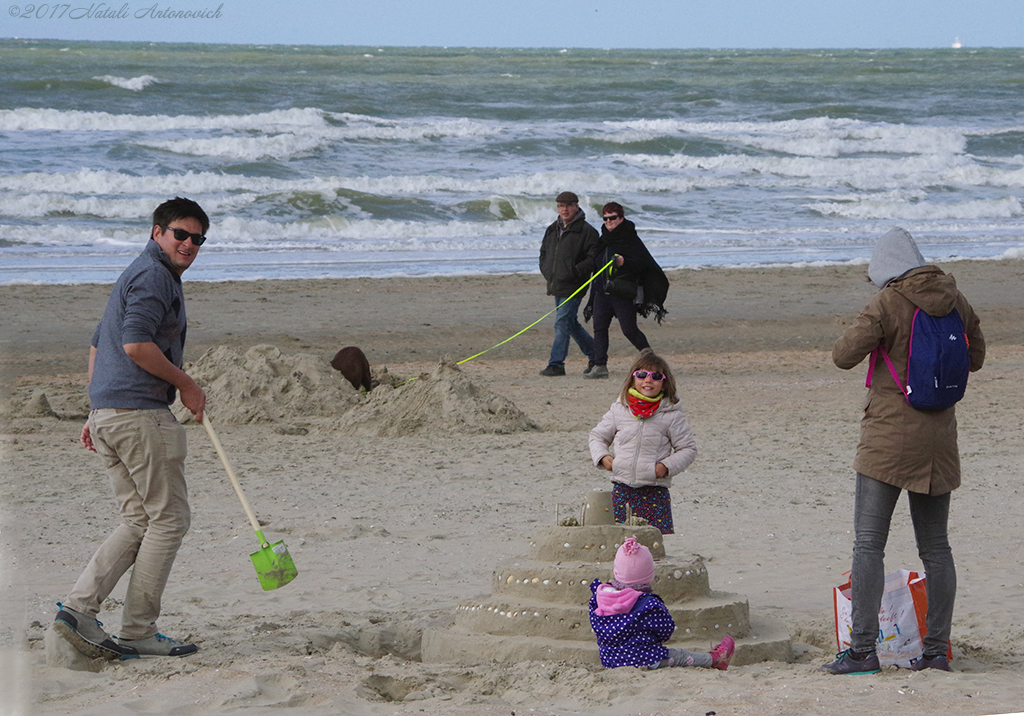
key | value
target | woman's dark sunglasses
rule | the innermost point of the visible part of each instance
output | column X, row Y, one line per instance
column 181, row 235
column 609, row 218
column 655, row 375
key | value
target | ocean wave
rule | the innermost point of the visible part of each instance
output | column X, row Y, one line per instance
column 361, row 126
column 875, row 172
column 247, row 149
column 135, row 84
column 329, row 234
column 40, row 205
column 531, row 194
column 343, row 126
column 98, row 181
column 380, row 234
column 1005, row 208
column 25, row 118
column 817, row 137
column 290, row 145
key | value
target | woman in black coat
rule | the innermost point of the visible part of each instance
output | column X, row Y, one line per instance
column 634, row 263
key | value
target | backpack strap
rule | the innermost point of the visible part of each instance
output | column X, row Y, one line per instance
column 892, row 370
column 888, row 362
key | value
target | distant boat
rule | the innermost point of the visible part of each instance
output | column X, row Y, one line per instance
column 956, row 44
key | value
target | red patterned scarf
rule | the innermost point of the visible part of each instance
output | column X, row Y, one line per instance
column 641, row 405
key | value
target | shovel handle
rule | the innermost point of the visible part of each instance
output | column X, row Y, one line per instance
column 231, row 474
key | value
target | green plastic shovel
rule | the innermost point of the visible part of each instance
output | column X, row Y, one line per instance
column 274, row 566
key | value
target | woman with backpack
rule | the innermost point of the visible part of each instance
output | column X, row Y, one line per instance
column 903, row 447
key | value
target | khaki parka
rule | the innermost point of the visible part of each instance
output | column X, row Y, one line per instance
column 912, row 449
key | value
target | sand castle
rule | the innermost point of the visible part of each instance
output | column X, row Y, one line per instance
column 538, row 605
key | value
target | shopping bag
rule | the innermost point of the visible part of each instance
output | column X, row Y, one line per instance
column 901, row 619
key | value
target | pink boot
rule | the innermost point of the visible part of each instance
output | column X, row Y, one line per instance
column 721, row 654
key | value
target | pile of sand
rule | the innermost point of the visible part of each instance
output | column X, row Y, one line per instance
column 263, row 385
column 443, row 402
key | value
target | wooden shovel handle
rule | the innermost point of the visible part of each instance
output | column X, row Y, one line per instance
column 231, row 473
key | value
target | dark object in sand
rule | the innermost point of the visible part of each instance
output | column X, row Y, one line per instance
column 352, row 363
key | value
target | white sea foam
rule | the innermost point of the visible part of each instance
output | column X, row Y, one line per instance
column 288, row 145
column 380, row 234
column 1005, row 208
column 249, row 149
column 818, row 137
column 879, row 173
column 519, row 188
column 73, row 120
column 360, row 126
column 306, row 119
column 323, row 234
column 38, row 205
column 135, row 84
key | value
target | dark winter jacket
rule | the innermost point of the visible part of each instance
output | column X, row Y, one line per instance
column 637, row 262
column 567, row 255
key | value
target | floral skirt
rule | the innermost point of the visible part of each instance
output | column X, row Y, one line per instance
column 652, row 503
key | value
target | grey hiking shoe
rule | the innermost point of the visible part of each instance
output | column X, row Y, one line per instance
column 598, row 371
column 156, row 645
column 85, row 633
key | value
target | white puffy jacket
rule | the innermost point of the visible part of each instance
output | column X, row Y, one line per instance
column 639, row 444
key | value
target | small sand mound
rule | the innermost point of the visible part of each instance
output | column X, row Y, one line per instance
column 442, row 403
column 263, row 385
column 61, row 398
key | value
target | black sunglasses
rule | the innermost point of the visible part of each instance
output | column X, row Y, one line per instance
column 655, row 375
column 181, row 235
column 609, row 218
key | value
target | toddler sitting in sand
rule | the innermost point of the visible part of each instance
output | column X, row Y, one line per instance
column 632, row 623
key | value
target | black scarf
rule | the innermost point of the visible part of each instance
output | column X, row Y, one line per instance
column 624, row 241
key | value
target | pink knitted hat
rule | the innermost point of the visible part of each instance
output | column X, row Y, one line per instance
column 633, row 563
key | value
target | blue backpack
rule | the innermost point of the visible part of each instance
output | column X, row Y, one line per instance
column 938, row 362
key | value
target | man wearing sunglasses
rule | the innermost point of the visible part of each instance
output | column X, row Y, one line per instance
column 134, row 375
column 566, row 262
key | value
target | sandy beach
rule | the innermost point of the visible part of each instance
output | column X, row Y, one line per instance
column 396, row 519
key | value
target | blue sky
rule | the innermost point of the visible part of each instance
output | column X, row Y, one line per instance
column 534, row 23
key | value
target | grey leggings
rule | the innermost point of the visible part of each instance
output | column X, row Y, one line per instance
column 681, row 657
column 873, row 507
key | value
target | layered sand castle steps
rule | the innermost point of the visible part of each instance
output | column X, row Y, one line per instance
column 538, row 605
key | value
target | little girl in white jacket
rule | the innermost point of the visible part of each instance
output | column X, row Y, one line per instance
column 643, row 441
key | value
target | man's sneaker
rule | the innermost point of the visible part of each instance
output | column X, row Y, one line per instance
column 590, row 367
column 722, row 653
column 156, row 645
column 598, row 371
column 553, row 370
column 846, row 664
column 936, row 662
column 85, row 633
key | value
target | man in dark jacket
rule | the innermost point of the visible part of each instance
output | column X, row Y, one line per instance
column 567, row 261
column 902, row 448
